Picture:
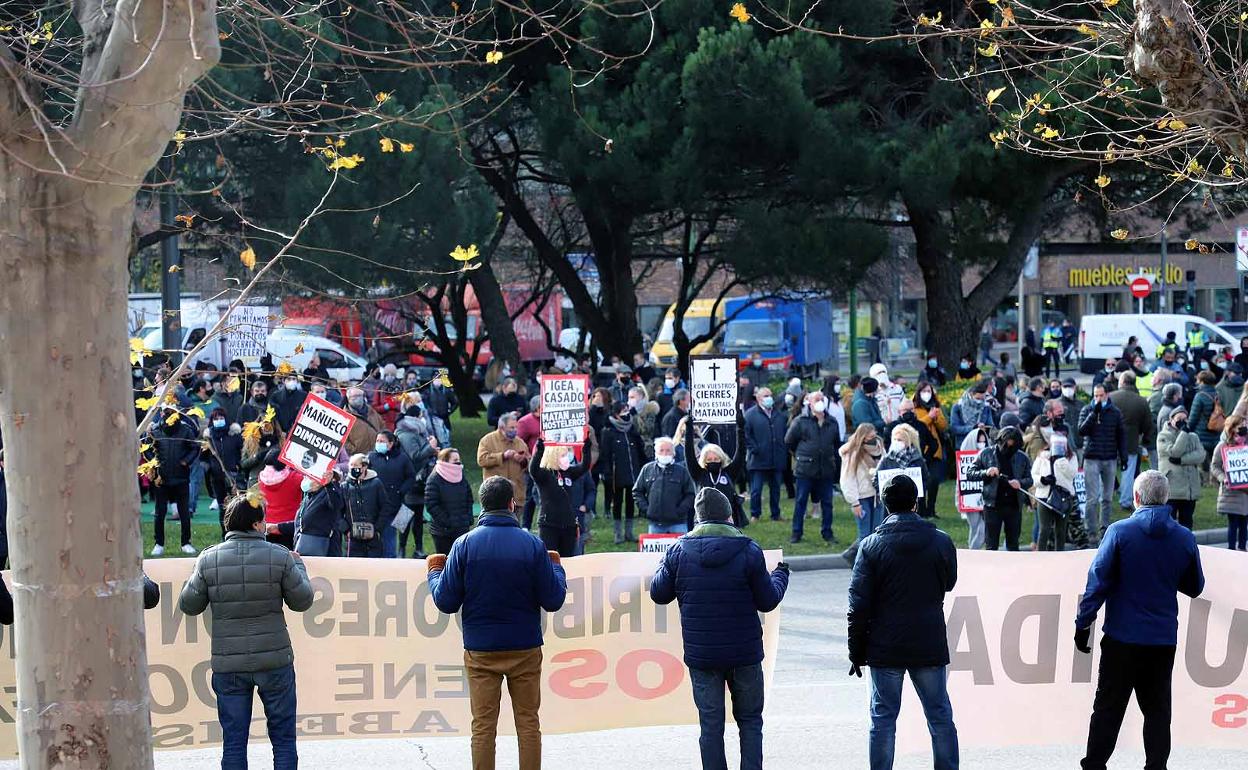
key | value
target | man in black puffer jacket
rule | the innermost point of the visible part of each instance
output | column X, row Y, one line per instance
column 1005, row 473
column 815, row 440
column 175, row 446
column 897, row 622
column 1104, row 453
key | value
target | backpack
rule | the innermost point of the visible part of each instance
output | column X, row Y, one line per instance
column 1217, row 419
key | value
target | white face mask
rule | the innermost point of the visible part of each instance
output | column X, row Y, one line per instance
column 819, row 407
column 1068, row 392
column 664, row 460
column 565, row 462
column 634, row 402
column 925, row 396
column 896, row 446
column 306, row 485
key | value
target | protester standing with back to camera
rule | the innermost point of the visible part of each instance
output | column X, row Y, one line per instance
column 896, row 623
column 246, row 581
column 1142, row 563
column 501, row 577
column 719, row 577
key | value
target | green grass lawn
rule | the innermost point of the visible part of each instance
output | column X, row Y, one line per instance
column 769, row 534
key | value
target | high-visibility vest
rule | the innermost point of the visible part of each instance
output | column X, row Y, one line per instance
column 1052, row 339
column 1163, row 347
column 1196, row 338
column 1145, row 385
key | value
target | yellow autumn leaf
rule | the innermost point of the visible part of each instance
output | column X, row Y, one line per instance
column 444, row 377
column 1102, row 181
column 995, row 93
column 345, row 161
column 1176, row 125
column 341, row 142
column 144, row 404
column 1084, row 29
column 149, row 468
column 231, row 385
column 248, row 258
column 924, row 21
column 1119, row 234
column 382, row 97
column 251, row 432
column 185, row 219
column 1191, row 245
column 179, row 138
column 990, row 51
column 196, row 412
column 1050, row 133
column 387, row 144
column 270, row 414
column 460, row 254
column 1228, row 170
column 171, row 398
column 175, row 268
column 173, row 418
column 406, row 146
column 985, row 27
column 298, row 348
column 1110, row 3
column 285, row 368
column 1007, row 16
column 739, row 13
column 493, row 57
column 144, row 448
column 137, row 349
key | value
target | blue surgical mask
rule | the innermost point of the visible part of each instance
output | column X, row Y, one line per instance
column 381, row 447
column 964, row 365
column 932, row 362
column 218, row 423
column 768, row 402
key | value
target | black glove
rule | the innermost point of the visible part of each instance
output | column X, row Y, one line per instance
column 1122, row 466
column 855, row 670
column 783, row 567
column 1049, row 480
column 1083, row 641
column 1176, row 459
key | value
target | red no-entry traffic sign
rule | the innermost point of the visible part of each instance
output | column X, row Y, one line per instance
column 1141, row 287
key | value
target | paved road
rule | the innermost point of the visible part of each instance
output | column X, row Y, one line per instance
column 816, row 718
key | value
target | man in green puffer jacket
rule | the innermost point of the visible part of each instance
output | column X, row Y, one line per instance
column 247, row 580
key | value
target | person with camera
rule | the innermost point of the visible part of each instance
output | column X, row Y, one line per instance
column 367, row 509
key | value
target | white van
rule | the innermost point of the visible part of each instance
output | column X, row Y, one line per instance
column 1104, row 336
column 281, row 343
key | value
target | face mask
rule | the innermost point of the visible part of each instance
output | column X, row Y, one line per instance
column 819, row 407
column 357, row 472
column 896, row 446
column 260, row 398
column 1181, row 425
column 669, row 384
column 565, row 462
column 1068, row 392
column 757, row 363
column 1055, row 392
column 982, row 443
column 306, row 485
column 714, row 469
column 926, row 396
column 768, row 402
column 932, row 363
column 634, row 403
column 1059, row 448
column 510, row 434
column 1204, row 366
column 381, row 447
column 218, row 423
column 964, row 365
column 292, row 384
column 788, row 399
column 138, row 372
column 357, row 404
column 664, row 460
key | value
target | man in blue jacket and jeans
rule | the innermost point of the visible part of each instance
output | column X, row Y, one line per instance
column 1143, row 562
column 502, row 576
column 897, row 623
column 720, row 578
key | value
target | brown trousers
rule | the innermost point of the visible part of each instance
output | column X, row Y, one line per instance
column 523, row 671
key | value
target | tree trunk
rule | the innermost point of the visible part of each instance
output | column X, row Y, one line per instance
column 612, row 239
column 70, row 458
column 495, row 316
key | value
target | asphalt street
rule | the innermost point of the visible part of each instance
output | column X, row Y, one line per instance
column 816, row 717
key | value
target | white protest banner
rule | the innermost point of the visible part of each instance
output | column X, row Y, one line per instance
column 915, row 474
column 1235, row 465
column 1011, row 628
column 970, row 493
column 375, row 659
column 315, row 439
column 713, row 389
column 565, row 409
column 1081, row 492
column 246, row 334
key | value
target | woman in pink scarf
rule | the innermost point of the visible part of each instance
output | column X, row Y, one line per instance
column 448, row 500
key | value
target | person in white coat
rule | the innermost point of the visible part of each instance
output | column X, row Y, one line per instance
column 1053, row 470
column 975, row 441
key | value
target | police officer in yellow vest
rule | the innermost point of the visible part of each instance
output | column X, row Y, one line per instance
column 1170, row 343
column 1196, row 343
column 1051, row 341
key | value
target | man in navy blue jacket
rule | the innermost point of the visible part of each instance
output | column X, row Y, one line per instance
column 721, row 580
column 1142, row 564
column 502, row 577
column 897, row 623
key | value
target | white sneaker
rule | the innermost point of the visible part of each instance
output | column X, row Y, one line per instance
column 188, row 549
column 214, row 506
column 158, row 550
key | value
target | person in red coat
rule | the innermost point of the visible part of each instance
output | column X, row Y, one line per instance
column 280, row 486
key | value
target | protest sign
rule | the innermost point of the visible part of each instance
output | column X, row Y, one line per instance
column 1235, row 465
column 565, row 409
column 375, row 659
column 1010, row 626
column 246, row 334
column 915, row 474
column 1081, row 492
column 656, row 543
column 315, row 439
column 713, row 389
column 970, row 493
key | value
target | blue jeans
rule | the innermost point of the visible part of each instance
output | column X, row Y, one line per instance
column 196, row 482
column 872, row 516
column 678, row 528
column 773, row 480
column 745, row 683
column 1126, row 496
column 234, row 697
column 389, row 543
column 929, row 682
column 825, row 492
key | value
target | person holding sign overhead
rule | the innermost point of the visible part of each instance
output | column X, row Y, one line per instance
column 1230, row 469
column 1005, row 472
column 554, row 471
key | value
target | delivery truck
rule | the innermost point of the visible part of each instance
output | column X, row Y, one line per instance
column 792, row 335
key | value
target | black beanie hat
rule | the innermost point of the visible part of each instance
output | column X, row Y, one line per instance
column 869, row 385
column 900, row 494
column 711, row 505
